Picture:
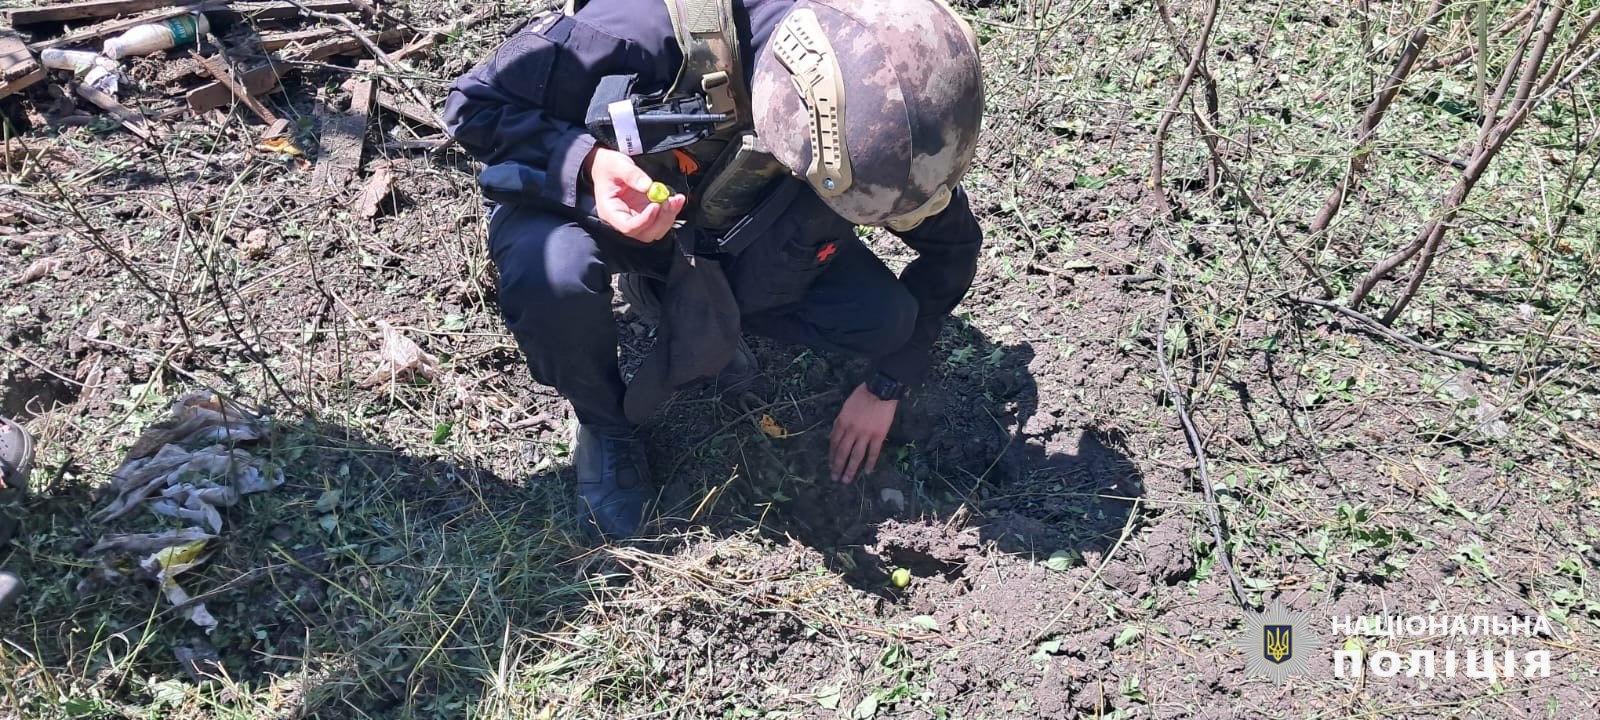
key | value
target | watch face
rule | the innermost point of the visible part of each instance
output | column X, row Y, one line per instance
column 885, row 388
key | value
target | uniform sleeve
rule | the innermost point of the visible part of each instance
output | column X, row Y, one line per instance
column 947, row 247
column 527, row 103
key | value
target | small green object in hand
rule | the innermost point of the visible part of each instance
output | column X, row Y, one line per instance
column 659, row 192
column 901, row 577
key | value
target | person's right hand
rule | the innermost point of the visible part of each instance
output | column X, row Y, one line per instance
column 620, row 198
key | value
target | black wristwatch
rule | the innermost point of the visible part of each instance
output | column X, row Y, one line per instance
column 885, row 387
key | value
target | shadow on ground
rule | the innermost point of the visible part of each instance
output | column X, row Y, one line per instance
column 958, row 457
column 374, row 583
column 377, row 583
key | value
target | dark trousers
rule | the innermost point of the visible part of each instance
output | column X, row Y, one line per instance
column 555, row 295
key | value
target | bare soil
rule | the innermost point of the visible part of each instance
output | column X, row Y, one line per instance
column 1039, row 488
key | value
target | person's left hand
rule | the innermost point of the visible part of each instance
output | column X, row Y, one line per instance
column 858, row 434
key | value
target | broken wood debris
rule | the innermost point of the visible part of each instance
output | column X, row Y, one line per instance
column 133, row 121
column 279, row 41
column 254, row 44
column 375, row 190
column 82, row 10
column 259, row 80
column 344, row 134
column 263, row 79
column 112, row 27
column 19, row 69
column 408, row 109
column 287, row 11
column 217, row 67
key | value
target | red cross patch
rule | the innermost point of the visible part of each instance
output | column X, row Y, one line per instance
column 827, row 252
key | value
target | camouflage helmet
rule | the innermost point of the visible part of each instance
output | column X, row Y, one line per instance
column 876, row 103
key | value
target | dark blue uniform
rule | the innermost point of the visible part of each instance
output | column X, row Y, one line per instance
column 527, row 104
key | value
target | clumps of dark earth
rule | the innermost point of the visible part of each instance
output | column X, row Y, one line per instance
column 1039, row 488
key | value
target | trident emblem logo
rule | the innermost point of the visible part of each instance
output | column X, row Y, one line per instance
column 1278, row 643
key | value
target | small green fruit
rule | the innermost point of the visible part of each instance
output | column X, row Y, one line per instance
column 901, row 577
column 659, row 192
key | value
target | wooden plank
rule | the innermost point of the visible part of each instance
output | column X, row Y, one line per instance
column 133, row 121
column 82, row 36
column 264, row 79
column 83, row 10
column 278, row 41
column 259, row 80
column 217, row 67
column 375, row 191
column 283, row 11
column 24, row 82
column 411, row 145
column 344, row 135
column 344, row 45
column 407, row 108
column 18, row 68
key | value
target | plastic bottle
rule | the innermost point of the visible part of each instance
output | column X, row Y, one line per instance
column 146, row 39
column 74, row 60
column 95, row 70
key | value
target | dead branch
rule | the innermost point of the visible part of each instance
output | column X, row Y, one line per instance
column 1196, row 443
column 1533, row 88
column 1371, row 325
column 1196, row 59
column 1372, row 118
column 1470, row 51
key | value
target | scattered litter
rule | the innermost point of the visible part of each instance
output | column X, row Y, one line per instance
column 399, row 359
column 167, row 564
column 187, row 468
column 279, row 145
column 214, row 54
column 148, row 543
column 94, row 69
column 1476, row 409
column 199, row 660
column 255, row 243
column 771, row 427
column 153, row 37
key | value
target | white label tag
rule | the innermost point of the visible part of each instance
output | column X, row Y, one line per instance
column 626, row 127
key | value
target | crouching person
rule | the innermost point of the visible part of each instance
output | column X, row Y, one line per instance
column 720, row 154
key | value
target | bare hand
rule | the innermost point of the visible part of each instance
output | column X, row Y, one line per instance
column 620, row 198
column 858, row 434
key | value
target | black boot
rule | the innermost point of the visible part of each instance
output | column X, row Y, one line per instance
column 614, row 487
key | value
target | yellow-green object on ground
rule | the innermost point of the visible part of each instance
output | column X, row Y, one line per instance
column 658, row 192
column 901, row 577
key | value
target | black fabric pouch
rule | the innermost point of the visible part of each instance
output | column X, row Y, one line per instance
column 779, row 250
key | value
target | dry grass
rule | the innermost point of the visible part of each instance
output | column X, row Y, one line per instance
column 422, row 561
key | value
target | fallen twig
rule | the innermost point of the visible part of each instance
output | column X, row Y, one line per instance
column 746, row 416
column 1372, row 325
column 1196, row 444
